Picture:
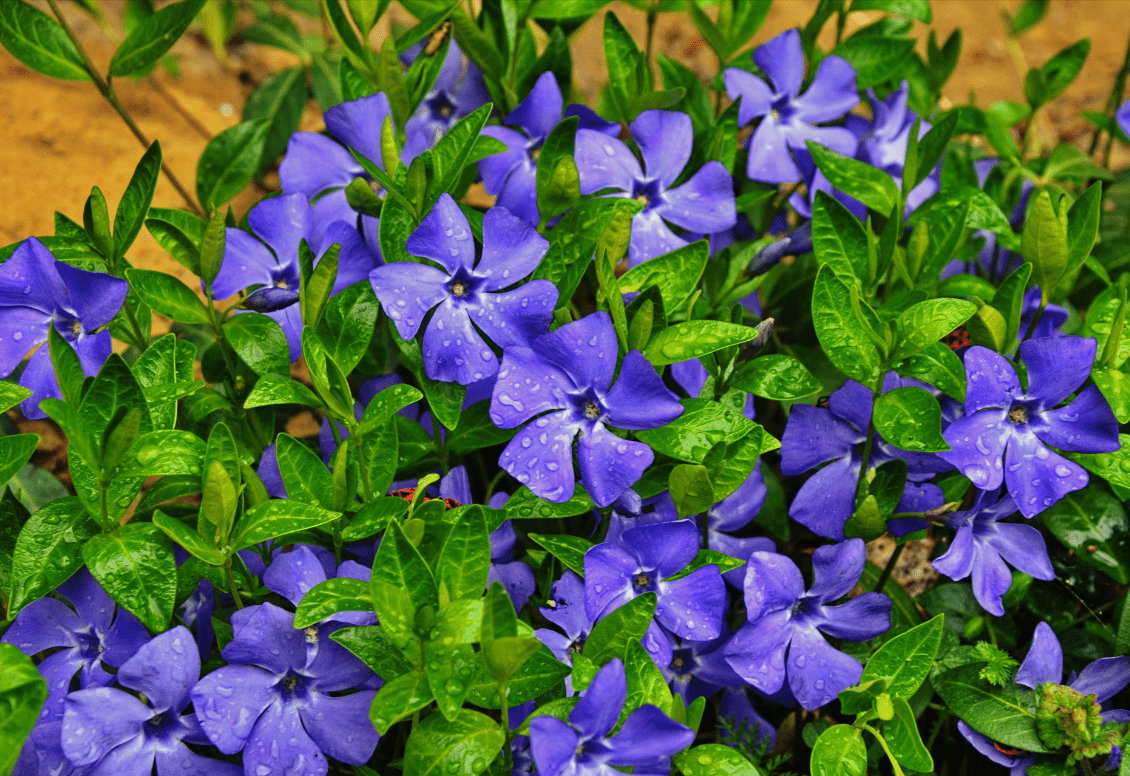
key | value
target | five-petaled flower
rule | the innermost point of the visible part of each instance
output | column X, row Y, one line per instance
column 567, row 374
column 1005, row 434
column 38, row 292
column 784, row 636
column 464, row 292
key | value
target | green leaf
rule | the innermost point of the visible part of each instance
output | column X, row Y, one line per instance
column 939, row 366
column 839, row 752
column 465, row 745
column 279, row 31
column 179, row 233
column 875, row 58
column 1083, row 226
column 151, row 39
column 464, row 561
column 739, row 460
column 135, row 566
column 48, row 550
column 449, row 669
column 557, row 145
column 1029, row 14
column 709, row 558
column 503, row 651
column 387, row 403
column 702, row 425
column 355, row 49
column 168, row 296
column 12, row 394
column 918, row 10
column 38, row 41
column 933, row 144
column 540, row 673
column 15, row 451
column 278, row 517
column 901, row 734
column 645, row 681
column 565, row 9
column 347, row 325
column 524, row 504
column 905, row 660
column 622, row 57
column 279, row 100
column 272, row 389
column 691, row 489
column 676, row 274
column 303, row 473
column 260, row 342
column 164, row 452
column 692, row 339
column 712, row 759
column 330, row 597
column 1044, row 242
column 571, row 243
column 190, row 540
column 927, row 322
column 451, row 152
column 1061, row 70
column 374, row 517
column 138, row 196
column 1006, row 714
column 401, row 584
column 372, row 646
column 611, row 635
column 911, row 419
column 870, row 185
column 570, row 550
column 776, row 376
column 166, row 368
column 1093, row 524
column 1115, row 386
column 399, row 698
column 848, row 348
column 229, row 162
column 838, row 238
column 22, row 694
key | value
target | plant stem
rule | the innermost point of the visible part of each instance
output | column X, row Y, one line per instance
column 886, row 749
column 366, row 486
column 890, row 567
column 231, row 585
column 107, row 91
column 505, row 714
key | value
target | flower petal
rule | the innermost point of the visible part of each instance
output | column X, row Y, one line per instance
column 978, row 443
column 519, row 192
column 756, row 96
column 705, row 203
column 247, row 262
column 41, row 625
column 812, row 436
column 21, row 329
column 831, row 94
column 541, row 456
column 314, row 163
column 512, row 249
column 1036, row 476
column 359, row 123
column 599, row 708
column 526, row 386
column 1086, row 425
column 651, row 237
column 267, row 638
column 860, row 619
column 610, row 465
column 540, row 112
column 444, row 236
column 229, row 701
column 340, row 726
column 691, row 607
column 604, row 162
column 164, row 670
column 991, row 580
column 585, row 350
column 1057, row 366
column 519, row 316
column 282, row 223
column 294, row 574
column 407, row 291
column 98, row 720
column 355, row 260
column 518, row 579
column 827, row 499
column 665, row 138
column 553, row 744
column 957, row 562
column 991, row 380
column 182, row 761
column 1024, row 547
column 853, row 402
column 639, row 399
column 646, row 734
column 985, row 746
column 495, row 168
column 1044, row 662
column 97, row 297
column 666, row 548
column 1105, row 678
column 757, row 651
column 453, row 351
column 782, row 59
column 836, row 568
column 769, row 157
column 279, row 743
column 817, row 671
column 772, row 584
column 608, row 579
column 30, row 278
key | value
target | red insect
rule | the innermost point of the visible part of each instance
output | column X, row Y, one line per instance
column 1008, row 751
column 958, row 338
column 410, row 493
column 822, row 402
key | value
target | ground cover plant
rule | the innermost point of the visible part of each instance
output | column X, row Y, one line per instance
column 599, row 466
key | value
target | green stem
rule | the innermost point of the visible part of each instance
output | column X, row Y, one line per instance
column 651, row 15
column 103, row 505
column 890, row 567
column 497, row 478
column 107, row 91
column 231, row 584
column 1090, row 613
column 141, row 341
column 366, row 486
column 886, row 750
column 1036, row 318
column 508, row 764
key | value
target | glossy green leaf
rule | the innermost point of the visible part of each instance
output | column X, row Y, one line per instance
column 524, row 504
column 905, row 660
column 179, row 233
column 646, row 684
column 229, row 162
column 401, row 584
column 691, row 490
column 611, row 635
column 622, row 58
column 702, row 425
column 347, row 325
column 371, row 645
column 540, row 673
column 330, row 597
column 713, row 759
column 876, row 58
column 1004, row 714
column 926, row 322
column 136, row 199
column 165, row 452
column 839, row 752
column 776, row 376
column 48, row 550
column 38, row 41
column 449, row 669
column 278, row 517
column 272, row 389
column 15, row 451
column 452, row 151
column 399, row 698
column 1115, row 387
column 22, row 694
column 260, row 342
column 12, row 394
column 135, row 566
column 848, row 348
column 168, row 296
column 676, row 274
column 838, row 238
column 355, row 49
column 1092, row 524
column 465, row 745
column 273, row 29
column 692, row 339
column 740, row 458
column 189, row 539
column 374, row 517
column 911, row 419
column 1061, row 69
column 939, row 366
column 464, row 561
column 573, row 241
column 149, row 41
column 904, row 740
column 570, row 550
column 1044, row 241
column 868, row 184
column 303, row 473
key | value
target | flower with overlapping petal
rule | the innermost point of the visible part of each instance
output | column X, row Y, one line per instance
column 564, row 379
column 457, row 92
column 583, row 747
column 108, row 732
column 784, row 636
column 512, row 174
column 788, row 118
column 1005, row 433
column 703, row 204
column 277, row 700
column 467, row 296
column 38, row 292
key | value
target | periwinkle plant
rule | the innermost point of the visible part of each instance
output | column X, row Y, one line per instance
column 555, row 473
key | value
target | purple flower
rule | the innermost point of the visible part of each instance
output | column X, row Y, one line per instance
column 814, row 435
column 280, row 224
column 784, row 637
column 1122, row 116
column 293, row 574
column 691, row 607
column 570, row 371
column 464, row 292
column 704, row 204
column 319, row 165
column 107, row 731
column 457, row 92
column 582, row 747
column 983, row 544
column 37, row 292
column 97, row 633
column 787, row 117
column 1004, row 421
column 1054, row 316
column 1104, row 678
column 566, row 611
column 512, row 174
column 274, row 701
